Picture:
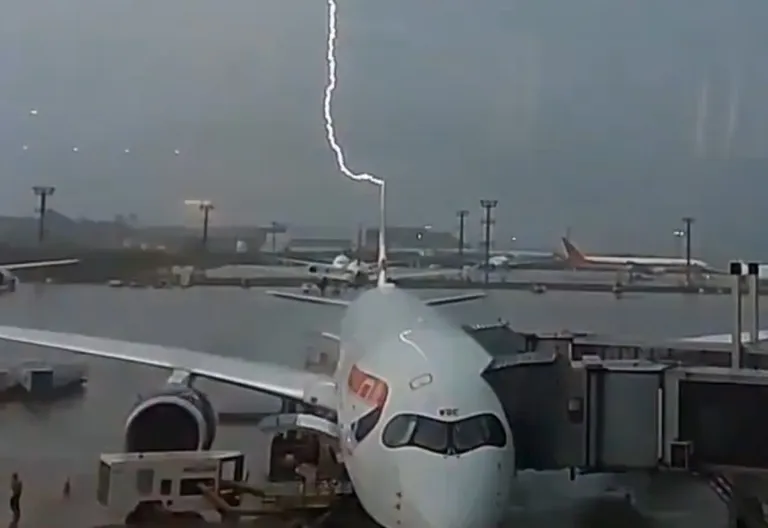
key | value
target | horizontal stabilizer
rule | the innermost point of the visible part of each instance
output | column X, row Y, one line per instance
column 330, row 336
column 313, row 299
column 397, row 275
column 440, row 301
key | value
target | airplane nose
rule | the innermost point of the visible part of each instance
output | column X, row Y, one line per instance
column 462, row 509
column 468, row 496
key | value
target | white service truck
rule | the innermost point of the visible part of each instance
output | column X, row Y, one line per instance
column 134, row 485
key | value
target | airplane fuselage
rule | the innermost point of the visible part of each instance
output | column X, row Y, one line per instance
column 659, row 264
column 408, row 377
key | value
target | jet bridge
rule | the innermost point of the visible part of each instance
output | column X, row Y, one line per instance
column 534, row 389
column 605, row 416
column 532, row 377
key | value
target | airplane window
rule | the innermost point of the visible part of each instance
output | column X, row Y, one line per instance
column 431, row 434
column 445, row 437
column 366, row 424
column 399, row 430
column 478, row 431
column 469, row 435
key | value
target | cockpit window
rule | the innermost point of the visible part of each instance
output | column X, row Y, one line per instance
column 478, row 431
column 444, row 437
column 399, row 430
column 432, row 435
column 366, row 423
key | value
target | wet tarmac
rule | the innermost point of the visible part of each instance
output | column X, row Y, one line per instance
column 47, row 444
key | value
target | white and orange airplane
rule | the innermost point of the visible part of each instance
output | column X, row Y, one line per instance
column 424, row 436
column 652, row 265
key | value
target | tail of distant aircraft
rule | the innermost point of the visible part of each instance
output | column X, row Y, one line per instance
column 572, row 253
column 381, row 280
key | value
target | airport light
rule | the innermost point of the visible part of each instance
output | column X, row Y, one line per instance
column 42, row 192
column 679, row 234
column 462, row 214
column 206, row 206
column 488, row 205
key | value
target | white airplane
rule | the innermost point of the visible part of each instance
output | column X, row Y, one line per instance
column 512, row 261
column 652, row 265
column 423, row 436
column 9, row 280
column 355, row 272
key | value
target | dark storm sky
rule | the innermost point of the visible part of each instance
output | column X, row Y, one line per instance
column 573, row 114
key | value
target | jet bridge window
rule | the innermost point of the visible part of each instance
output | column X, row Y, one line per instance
column 443, row 437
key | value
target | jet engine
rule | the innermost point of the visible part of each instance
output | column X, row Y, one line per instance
column 177, row 418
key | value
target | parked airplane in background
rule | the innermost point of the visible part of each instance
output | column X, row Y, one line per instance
column 8, row 280
column 424, row 437
column 356, row 273
column 643, row 265
column 340, row 264
column 516, row 259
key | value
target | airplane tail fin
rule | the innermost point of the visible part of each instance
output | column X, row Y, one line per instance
column 572, row 253
column 381, row 280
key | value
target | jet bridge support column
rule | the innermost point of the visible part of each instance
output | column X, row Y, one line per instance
column 753, row 272
column 737, row 283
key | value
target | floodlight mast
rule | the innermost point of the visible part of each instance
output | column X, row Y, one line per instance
column 42, row 192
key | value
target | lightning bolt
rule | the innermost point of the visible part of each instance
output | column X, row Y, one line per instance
column 330, row 87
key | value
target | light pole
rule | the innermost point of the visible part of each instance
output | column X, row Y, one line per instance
column 42, row 192
column 206, row 206
column 462, row 218
column 688, row 221
column 275, row 226
column 488, row 205
column 422, row 238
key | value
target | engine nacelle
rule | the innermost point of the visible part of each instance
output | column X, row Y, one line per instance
column 177, row 418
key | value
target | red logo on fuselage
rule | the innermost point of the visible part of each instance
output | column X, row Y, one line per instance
column 368, row 388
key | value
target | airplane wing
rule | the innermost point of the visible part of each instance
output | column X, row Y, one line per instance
column 332, row 276
column 39, row 264
column 302, row 262
column 313, row 299
column 268, row 378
